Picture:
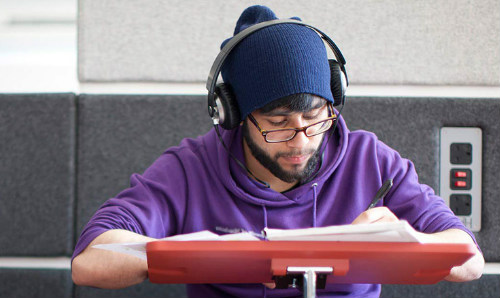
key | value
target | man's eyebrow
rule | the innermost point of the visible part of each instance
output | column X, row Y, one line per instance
column 277, row 112
column 319, row 105
column 286, row 112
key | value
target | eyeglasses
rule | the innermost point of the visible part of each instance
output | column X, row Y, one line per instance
column 286, row 134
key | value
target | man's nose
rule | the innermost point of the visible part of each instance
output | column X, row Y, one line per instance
column 299, row 141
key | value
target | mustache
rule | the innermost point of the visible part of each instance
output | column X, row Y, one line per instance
column 295, row 153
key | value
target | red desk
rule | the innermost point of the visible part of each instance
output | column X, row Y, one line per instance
column 259, row 261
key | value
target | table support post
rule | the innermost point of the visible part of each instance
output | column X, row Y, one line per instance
column 309, row 277
column 310, row 284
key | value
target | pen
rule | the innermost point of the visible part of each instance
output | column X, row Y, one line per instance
column 384, row 189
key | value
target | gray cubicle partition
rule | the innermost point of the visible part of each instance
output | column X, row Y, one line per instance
column 62, row 156
column 37, row 178
column 32, row 282
column 486, row 286
column 123, row 134
column 447, row 42
column 411, row 126
column 119, row 135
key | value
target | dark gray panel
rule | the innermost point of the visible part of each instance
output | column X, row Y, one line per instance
column 40, row 283
column 114, row 129
column 145, row 289
column 37, row 145
column 411, row 126
column 485, row 287
column 123, row 134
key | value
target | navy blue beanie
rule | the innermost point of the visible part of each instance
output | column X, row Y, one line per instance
column 275, row 62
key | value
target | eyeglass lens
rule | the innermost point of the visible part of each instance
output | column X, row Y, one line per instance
column 288, row 134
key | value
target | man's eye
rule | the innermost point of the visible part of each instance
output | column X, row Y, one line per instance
column 311, row 117
column 277, row 123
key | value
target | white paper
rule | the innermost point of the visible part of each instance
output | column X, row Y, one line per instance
column 399, row 231
column 138, row 249
column 196, row 236
column 243, row 236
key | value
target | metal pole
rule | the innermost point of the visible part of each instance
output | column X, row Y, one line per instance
column 310, row 284
column 309, row 277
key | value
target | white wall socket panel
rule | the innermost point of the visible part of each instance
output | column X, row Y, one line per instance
column 460, row 173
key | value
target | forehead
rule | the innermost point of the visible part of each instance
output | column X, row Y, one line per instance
column 295, row 105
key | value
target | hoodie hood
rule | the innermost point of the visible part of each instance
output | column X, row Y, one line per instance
column 248, row 189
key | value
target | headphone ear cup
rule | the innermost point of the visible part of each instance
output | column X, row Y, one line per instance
column 337, row 82
column 230, row 114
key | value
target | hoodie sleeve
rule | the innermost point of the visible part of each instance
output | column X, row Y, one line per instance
column 150, row 206
column 412, row 201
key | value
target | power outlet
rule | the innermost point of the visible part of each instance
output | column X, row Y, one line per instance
column 460, row 173
column 461, row 204
column 461, row 153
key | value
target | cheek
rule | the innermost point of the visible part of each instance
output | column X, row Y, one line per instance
column 260, row 142
column 257, row 138
column 270, row 149
column 316, row 141
column 313, row 144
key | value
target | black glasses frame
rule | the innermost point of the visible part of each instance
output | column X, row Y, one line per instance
column 264, row 132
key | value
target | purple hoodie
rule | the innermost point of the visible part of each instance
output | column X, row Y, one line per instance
column 197, row 186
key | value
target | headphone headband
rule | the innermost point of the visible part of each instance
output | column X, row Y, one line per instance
column 221, row 57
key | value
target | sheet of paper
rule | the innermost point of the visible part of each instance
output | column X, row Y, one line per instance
column 138, row 249
column 243, row 236
column 399, row 231
column 196, row 236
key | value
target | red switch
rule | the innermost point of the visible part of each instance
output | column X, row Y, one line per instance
column 460, row 174
column 461, row 179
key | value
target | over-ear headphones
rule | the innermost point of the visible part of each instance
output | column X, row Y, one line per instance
column 222, row 104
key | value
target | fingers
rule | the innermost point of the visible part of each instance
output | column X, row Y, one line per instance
column 378, row 214
column 270, row 285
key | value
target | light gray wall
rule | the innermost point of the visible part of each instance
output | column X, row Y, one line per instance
column 437, row 42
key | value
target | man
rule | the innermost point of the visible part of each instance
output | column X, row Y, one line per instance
column 300, row 167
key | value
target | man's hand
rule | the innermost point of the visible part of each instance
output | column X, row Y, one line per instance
column 373, row 215
column 470, row 270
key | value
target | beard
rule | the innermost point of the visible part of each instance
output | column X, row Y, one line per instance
column 271, row 163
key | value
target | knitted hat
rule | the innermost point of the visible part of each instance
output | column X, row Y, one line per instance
column 275, row 62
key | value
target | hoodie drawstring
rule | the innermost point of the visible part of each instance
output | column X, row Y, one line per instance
column 315, row 207
column 315, row 204
column 265, row 226
column 265, row 215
